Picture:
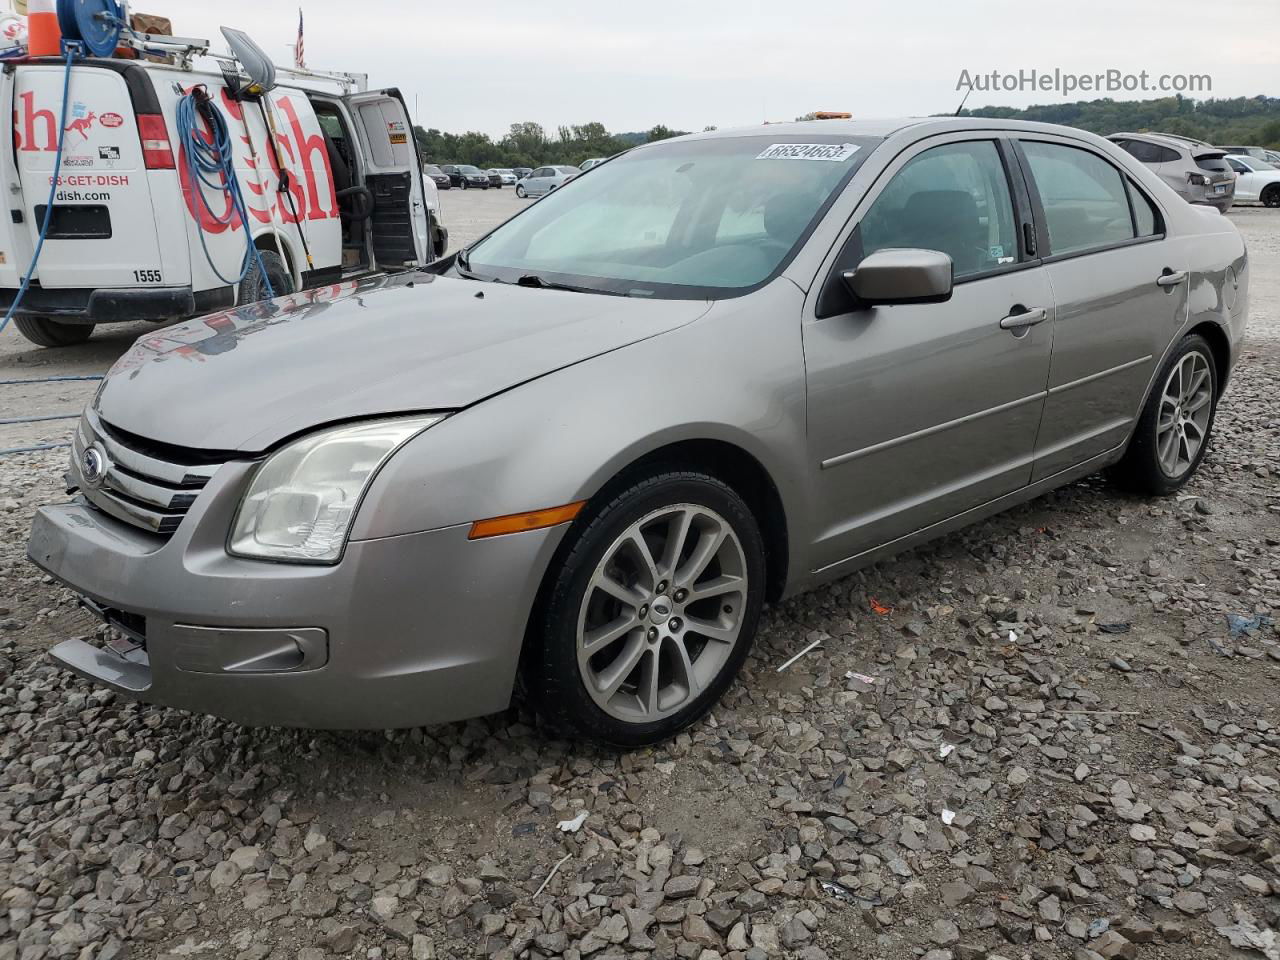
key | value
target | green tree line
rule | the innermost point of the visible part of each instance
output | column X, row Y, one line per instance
column 529, row 145
column 1243, row 121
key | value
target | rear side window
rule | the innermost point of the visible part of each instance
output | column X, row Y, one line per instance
column 1084, row 197
column 954, row 198
column 1165, row 155
column 1146, row 218
column 1139, row 150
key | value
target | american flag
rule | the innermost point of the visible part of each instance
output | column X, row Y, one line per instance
column 299, row 59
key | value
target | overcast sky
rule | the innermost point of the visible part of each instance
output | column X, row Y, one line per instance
column 484, row 64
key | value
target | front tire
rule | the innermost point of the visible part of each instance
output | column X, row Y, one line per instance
column 44, row 332
column 1173, row 431
column 252, row 289
column 1271, row 196
column 648, row 617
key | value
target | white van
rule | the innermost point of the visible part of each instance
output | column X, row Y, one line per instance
column 125, row 241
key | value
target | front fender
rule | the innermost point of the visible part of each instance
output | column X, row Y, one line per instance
column 736, row 375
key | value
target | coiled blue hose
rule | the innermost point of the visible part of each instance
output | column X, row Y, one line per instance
column 210, row 163
column 71, row 51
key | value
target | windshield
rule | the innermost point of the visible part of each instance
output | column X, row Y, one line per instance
column 1262, row 164
column 687, row 219
column 433, row 171
column 467, row 168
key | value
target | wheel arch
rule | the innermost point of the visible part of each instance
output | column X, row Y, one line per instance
column 265, row 240
column 737, row 468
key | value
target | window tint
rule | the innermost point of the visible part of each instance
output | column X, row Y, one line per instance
column 953, row 198
column 1083, row 196
column 1146, row 217
column 1139, row 150
column 1166, row 155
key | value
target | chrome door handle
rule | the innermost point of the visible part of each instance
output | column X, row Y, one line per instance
column 1027, row 318
column 1172, row 278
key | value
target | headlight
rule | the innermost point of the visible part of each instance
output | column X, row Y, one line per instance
column 301, row 500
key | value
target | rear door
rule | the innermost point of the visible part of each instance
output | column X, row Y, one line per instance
column 1120, row 285
column 393, row 174
column 103, row 231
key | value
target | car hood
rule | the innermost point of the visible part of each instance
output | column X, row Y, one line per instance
column 247, row 378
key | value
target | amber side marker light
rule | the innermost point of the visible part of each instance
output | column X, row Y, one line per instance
column 520, row 522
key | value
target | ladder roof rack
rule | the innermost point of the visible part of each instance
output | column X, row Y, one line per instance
column 186, row 50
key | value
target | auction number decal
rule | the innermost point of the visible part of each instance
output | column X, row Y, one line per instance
column 147, row 276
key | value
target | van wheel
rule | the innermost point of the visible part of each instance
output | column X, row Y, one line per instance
column 648, row 617
column 1173, row 432
column 44, row 332
column 252, row 288
column 1271, row 196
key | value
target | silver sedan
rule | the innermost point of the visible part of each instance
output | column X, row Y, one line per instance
column 545, row 179
column 583, row 453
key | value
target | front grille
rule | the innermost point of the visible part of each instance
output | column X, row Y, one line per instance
column 144, row 484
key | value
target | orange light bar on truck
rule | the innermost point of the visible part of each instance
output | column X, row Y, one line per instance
column 520, row 522
column 832, row 115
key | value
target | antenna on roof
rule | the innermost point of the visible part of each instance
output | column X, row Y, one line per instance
column 963, row 101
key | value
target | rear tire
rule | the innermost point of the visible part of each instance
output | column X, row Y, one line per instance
column 252, row 289
column 1176, row 424
column 1271, row 196
column 520, row 192
column 636, row 671
column 44, row 332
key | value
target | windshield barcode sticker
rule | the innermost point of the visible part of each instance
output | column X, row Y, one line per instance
column 808, row 151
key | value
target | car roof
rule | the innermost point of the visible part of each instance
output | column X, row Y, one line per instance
column 916, row 127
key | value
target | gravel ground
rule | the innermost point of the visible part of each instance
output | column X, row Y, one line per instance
column 1055, row 734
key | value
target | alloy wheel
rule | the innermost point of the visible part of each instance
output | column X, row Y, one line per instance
column 1182, row 424
column 662, row 613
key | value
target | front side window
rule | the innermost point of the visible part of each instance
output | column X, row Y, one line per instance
column 954, row 198
column 1084, row 198
column 676, row 219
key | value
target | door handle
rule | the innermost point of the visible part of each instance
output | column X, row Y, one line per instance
column 1026, row 318
column 1171, row 278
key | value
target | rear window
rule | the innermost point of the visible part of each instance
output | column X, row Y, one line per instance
column 1217, row 164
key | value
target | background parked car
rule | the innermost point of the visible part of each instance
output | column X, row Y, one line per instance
column 1256, row 179
column 521, row 172
column 505, row 176
column 588, row 164
column 544, row 180
column 1259, row 153
column 1196, row 170
column 465, row 175
column 436, row 176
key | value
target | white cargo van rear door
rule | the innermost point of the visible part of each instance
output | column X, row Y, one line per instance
column 103, row 231
column 393, row 174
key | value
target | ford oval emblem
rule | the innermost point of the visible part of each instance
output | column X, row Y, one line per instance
column 93, row 465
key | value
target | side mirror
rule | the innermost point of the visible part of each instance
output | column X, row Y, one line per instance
column 900, row 276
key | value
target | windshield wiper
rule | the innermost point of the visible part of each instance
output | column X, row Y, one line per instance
column 533, row 280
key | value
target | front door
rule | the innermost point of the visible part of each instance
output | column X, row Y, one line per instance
column 919, row 412
column 393, row 174
column 1121, row 291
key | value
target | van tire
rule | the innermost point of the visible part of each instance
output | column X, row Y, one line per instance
column 44, row 332
column 251, row 287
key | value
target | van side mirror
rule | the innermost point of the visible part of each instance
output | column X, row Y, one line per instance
column 900, row 276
